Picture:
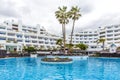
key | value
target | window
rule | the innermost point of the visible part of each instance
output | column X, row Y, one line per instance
column 2, row 27
column 81, row 41
column 34, row 41
column 85, row 32
column 41, row 42
column 50, row 39
column 116, row 30
column 26, row 36
column 52, row 43
column 11, row 39
column 2, row 33
column 40, row 38
column 95, row 35
column 19, row 40
column 93, row 47
column 116, row 26
column 77, row 41
column 46, row 38
column 109, row 31
column 85, row 36
column 95, row 32
column 110, row 35
column 77, row 38
column 2, row 38
column 9, row 34
column 117, row 34
column 46, row 42
column 90, row 38
column 110, row 39
column 109, row 27
column 27, row 41
column 19, row 36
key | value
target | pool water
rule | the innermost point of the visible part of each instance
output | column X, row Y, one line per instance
column 82, row 69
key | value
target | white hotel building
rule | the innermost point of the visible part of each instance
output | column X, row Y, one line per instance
column 88, row 37
column 15, row 35
column 111, row 34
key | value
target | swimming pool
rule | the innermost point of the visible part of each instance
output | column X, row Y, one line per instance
column 81, row 69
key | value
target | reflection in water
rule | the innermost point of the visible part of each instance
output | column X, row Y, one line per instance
column 58, row 71
column 30, row 62
column 76, row 70
column 32, row 69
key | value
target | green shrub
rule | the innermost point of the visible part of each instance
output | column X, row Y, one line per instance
column 66, row 58
column 45, row 59
column 97, row 54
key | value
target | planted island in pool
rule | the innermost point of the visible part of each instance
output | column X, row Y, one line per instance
column 57, row 59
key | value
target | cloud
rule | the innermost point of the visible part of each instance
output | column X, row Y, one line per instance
column 11, row 8
column 95, row 13
column 7, row 9
column 86, row 9
column 104, row 20
column 25, row 10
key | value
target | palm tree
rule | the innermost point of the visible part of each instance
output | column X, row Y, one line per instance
column 74, row 14
column 62, row 16
column 59, row 42
column 101, row 40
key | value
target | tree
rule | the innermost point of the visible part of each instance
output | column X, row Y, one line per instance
column 59, row 42
column 30, row 49
column 101, row 40
column 81, row 46
column 69, row 46
column 74, row 14
column 62, row 16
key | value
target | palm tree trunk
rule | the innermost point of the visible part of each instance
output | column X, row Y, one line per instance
column 72, row 34
column 72, row 31
column 63, row 30
column 103, row 45
column 64, row 38
column 63, row 33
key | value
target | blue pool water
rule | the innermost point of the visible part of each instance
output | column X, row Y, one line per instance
column 84, row 69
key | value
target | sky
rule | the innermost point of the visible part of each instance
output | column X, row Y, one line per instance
column 95, row 13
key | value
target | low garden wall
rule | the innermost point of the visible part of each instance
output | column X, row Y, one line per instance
column 109, row 55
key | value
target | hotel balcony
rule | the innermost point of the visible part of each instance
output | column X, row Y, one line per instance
column 34, row 39
column 3, row 35
column 30, row 34
column 2, row 39
column 3, row 30
column 14, row 37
